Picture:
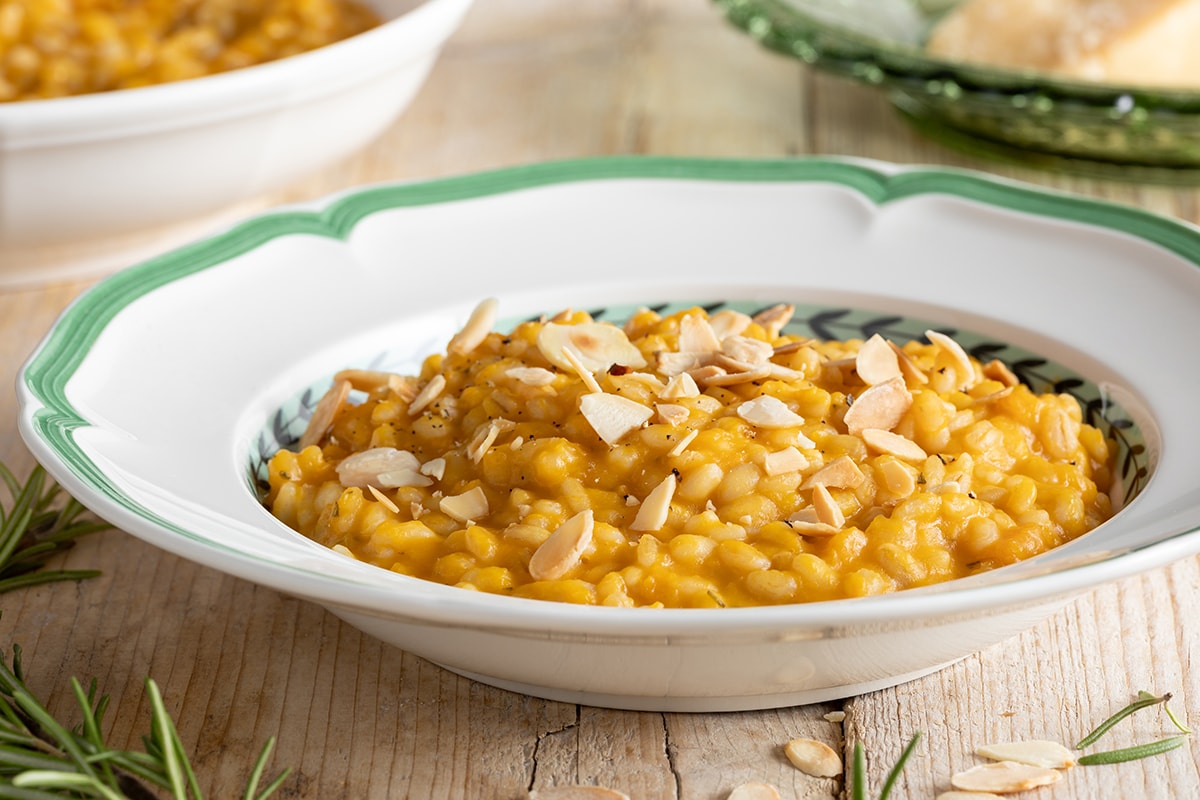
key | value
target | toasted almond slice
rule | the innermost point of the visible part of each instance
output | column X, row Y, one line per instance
column 654, row 509
column 478, row 326
column 957, row 795
column 789, row 459
column 599, row 346
column 577, row 792
column 1034, row 753
column 388, row 503
column 696, row 335
column 672, row 413
column 671, row 363
column 325, row 413
column 679, row 386
column 561, row 316
column 994, row 396
column 683, row 443
column 898, row 478
column 530, row 376
column 769, row 412
column 729, row 323
column 880, row 406
column 841, row 473
column 733, row 378
column 702, row 375
column 613, row 416
column 1004, row 777
column 754, row 790
column 893, row 443
column 747, row 350
column 792, row 346
column 485, row 437
column 908, row 368
column 431, row 392
column 876, row 361
column 775, row 319
column 648, row 380
column 434, row 468
column 556, row 556
column 784, row 373
column 813, row 758
column 368, row 380
column 368, row 467
column 471, row 504
column 708, row 404
column 997, row 370
column 581, row 369
column 828, row 511
column 966, row 371
column 805, row 528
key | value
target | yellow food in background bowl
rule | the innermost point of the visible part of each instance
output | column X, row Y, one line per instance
column 56, row 48
column 691, row 461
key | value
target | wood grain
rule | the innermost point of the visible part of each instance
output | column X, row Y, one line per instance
column 536, row 80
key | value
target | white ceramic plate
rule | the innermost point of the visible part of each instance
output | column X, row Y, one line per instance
column 154, row 396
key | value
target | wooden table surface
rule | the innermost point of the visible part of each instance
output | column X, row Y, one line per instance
column 526, row 81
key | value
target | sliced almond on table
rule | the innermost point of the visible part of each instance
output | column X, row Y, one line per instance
column 876, row 361
column 325, row 413
column 1034, row 753
column 478, row 326
column 894, row 444
column 612, row 416
column 957, row 795
column 766, row 411
column 813, row 758
column 1004, row 777
column 556, row 556
column 841, row 473
column 880, row 406
column 576, row 792
column 656, row 507
column 431, row 392
column 966, row 372
column 598, row 345
column 835, row 716
column 469, row 505
column 754, row 790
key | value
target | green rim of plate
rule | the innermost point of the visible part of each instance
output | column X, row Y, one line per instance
column 52, row 366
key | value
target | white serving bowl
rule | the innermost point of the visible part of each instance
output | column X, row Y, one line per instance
column 83, row 179
column 157, row 412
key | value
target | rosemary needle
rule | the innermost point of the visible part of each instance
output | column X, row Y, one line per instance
column 1133, row 753
column 1144, row 700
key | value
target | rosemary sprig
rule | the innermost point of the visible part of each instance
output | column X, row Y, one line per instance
column 35, row 527
column 1133, row 753
column 858, row 787
column 1144, row 700
column 40, row 757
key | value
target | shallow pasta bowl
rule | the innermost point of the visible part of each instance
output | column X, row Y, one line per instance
column 86, row 180
column 158, row 394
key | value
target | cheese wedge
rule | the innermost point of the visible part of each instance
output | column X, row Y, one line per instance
column 1145, row 42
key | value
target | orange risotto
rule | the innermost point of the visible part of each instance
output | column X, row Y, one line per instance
column 691, row 461
column 53, row 48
